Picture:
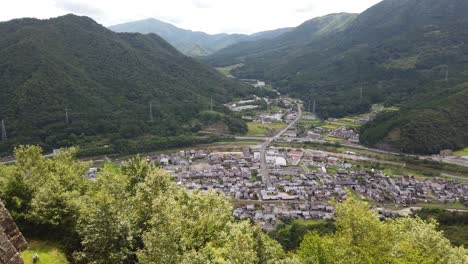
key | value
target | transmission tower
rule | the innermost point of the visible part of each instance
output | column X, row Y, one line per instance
column 66, row 115
column 446, row 72
column 360, row 94
column 151, row 111
column 4, row 134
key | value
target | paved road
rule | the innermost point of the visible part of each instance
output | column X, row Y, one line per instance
column 263, row 165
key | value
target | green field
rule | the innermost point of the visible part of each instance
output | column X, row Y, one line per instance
column 227, row 70
column 334, row 139
column 49, row 253
column 259, row 130
column 461, row 153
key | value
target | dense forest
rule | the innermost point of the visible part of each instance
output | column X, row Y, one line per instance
column 136, row 213
column 398, row 52
column 436, row 122
column 67, row 79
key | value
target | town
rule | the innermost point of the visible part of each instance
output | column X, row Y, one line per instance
column 268, row 183
column 296, row 191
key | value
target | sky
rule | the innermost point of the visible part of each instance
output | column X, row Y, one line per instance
column 211, row 16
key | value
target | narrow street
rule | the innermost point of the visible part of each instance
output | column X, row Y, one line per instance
column 263, row 164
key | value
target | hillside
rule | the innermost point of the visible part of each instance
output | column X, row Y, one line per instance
column 69, row 78
column 192, row 43
column 396, row 52
column 432, row 124
column 288, row 42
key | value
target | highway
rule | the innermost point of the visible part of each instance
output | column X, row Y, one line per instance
column 263, row 164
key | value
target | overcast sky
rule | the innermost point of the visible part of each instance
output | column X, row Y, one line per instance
column 211, row 16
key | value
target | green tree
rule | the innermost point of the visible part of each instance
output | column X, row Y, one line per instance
column 362, row 238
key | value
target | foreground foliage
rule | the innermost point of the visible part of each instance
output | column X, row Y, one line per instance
column 362, row 238
column 135, row 213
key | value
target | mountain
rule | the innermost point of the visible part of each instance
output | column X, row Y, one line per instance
column 287, row 42
column 192, row 43
column 427, row 126
column 69, row 78
column 397, row 52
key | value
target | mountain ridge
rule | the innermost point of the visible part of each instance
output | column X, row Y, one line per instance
column 192, row 43
column 397, row 52
column 69, row 78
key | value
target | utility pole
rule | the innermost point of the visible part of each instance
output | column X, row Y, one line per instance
column 151, row 111
column 66, row 115
column 211, row 105
column 4, row 134
column 313, row 107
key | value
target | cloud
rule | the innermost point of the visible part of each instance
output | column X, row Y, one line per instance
column 306, row 9
column 211, row 16
column 75, row 7
column 202, row 4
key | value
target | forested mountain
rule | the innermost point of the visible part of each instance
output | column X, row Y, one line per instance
column 69, row 77
column 398, row 52
column 192, row 43
column 297, row 38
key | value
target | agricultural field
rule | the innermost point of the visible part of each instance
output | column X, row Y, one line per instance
column 227, row 70
column 461, row 153
column 259, row 130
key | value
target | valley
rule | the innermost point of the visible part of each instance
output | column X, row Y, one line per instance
column 128, row 139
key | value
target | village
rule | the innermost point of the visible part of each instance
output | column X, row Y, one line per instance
column 271, row 180
column 298, row 191
column 295, row 182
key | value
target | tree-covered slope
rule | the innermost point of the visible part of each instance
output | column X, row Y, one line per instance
column 395, row 52
column 104, row 81
column 265, row 51
column 430, row 124
column 192, row 43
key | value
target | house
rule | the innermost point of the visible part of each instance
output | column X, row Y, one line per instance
column 259, row 84
column 280, row 161
column 313, row 135
column 446, row 152
column 332, row 161
column 290, row 133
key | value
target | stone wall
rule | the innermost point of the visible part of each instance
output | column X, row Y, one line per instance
column 11, row 240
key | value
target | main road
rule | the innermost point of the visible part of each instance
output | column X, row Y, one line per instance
column 263, row 164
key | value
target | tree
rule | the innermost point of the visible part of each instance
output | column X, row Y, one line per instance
column 362, row 238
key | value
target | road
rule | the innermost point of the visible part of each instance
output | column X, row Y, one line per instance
column 263, row 164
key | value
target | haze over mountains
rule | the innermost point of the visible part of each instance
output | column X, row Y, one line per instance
column 68, row 78
column 398, row 51
column 192, row 43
